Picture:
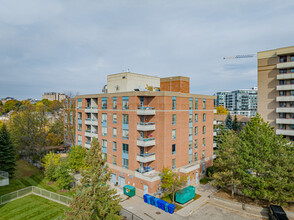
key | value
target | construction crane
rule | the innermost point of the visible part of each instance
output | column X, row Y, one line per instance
column 241, row 56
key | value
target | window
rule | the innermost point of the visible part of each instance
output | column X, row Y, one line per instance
column 80, row 115
column 282, row 115
column 190, row 158
column 204, row 117
column 204, row 129
column 190, row 131
column 173, row 149
column 114, row 146
column 204, row 104
column 196, row 118
column 104, row 131
column 79, row 127
column 125, row 134
column 174, row 134
column 79, row 103
column 174, row 119
column 190, row 118
column 282, row 104
column 114, row 160
column 190, row 104
column 203, row 153
column 196, row 144
column 195, row 156
column 114, row 118
column 283, row 59
column 283, row 71
column 282, row 93
column 104, row 143
column 125, row 119
column 292, row 81
column 79, row 139
column 291, row 104
column 125, row 148
column 282, row 82
column 114, row 103
column 291, row 93
column 125, row 163
column 291, row 70
column 88, row 129
column 174, row 100
column 196, row 104
column 104, row 103
column 190, row 145
column 114, row 132
column 196, row 131
column 104, row 117
column 104, row 156
column 282, row 126
column 174, row 164
column 291, row 127
column 204, row 142
column 292, row 58
column 125, row 103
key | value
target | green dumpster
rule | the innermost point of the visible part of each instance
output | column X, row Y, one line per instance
column 129, row 190
column 185, row 194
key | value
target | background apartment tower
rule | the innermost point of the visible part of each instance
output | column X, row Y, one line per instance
column 142, row 130
column 276, row 89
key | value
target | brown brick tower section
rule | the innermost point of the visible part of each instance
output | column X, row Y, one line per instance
column 175, row 84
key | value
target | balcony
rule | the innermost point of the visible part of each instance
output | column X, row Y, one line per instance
column 145, row 142
column 91, row 109
column 285, row 76
column 189, row 168
column 88, row 133
column 285, row 110
column 284, row 121
column 94, row 134
column 145, row 158
column 285, row 65
column 90, row 121
column 285, row 98
column 145, row 110
column 146, row 126
column 285, row 87
column 148, row 174
column 87, row 145
column 285, row 132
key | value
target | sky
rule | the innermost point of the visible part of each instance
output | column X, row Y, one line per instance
column 71, row 46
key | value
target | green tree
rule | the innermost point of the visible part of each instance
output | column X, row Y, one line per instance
column 236, row 126
column 63, row 176
column 7, row 153
column 227, row 165
column 171, row 181
column 76, row 158
column 94, row 199
column 229, row 121
column 221, row 131
column 11, row 105
column 268, row 171
column 51, row 163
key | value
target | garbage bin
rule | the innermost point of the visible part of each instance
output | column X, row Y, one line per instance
column 148, row 198
column 166, row 207
column 171, row 208
column 152, row 200
column 159, row 203
column 156, row 201
column 145, row 198
column 129, row 190
column 163, row 205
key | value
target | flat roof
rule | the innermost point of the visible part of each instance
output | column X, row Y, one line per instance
column 130, row 73
column 275, row 52
column 174, row 78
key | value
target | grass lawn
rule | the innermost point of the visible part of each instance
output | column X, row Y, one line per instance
column 27, row 175
column 31, row 207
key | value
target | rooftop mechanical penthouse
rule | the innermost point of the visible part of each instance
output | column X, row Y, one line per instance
column 145, row 125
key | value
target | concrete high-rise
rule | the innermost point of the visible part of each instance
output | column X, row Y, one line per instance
column 276, row 89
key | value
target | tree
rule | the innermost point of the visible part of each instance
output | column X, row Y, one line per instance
column 94, row 199
column 76, row 158
column 69, row 119
column 221, row 131
column 236, row 126
column 227, row 165
column 221, row 110
column 7, row 153
column 267, row 159
column 228, row 121
column 63, row 176
column 51, row 163
column 171, row 181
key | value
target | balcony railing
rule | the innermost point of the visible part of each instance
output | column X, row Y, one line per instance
column 146, row 154
column 88, row 119
column 94, row 119
column 146, row 126
column 145, row 169
column 146, row 142
column 146, row 123
column 146, row 139
column 94, row 107
column 143, row 110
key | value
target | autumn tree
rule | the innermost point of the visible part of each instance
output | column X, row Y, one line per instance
column 221, row 110
column 94, row 199
column 76, row 158
column 171, row 181
column 69, row 106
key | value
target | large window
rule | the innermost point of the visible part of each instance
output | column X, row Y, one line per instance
column 104, row 103
column 190, row 145
column 174, row 134
column 125, row 119
column 190, row 131
column 196, row 131
column 173, row 149
column 190, row 104
column 283, row 59
column 174, row 107
column 204, row 129
column 80, row 115
column 203, row 154
column 283, row 104
column 125, row 134
column 174, row 164
column 125, row 163
column 282, row 93
column 174, row 119
column 196, row 144
column 104, row 131
column 204, row 104
column 114, row 118
column 204, row 142
column 125, row 148
column 114, row 160
column 79, row 103
column 114, row 146
column 190, row 158
column 79, row 127
column 104, row 117
column 204, row 117
column 196, row 157
column 282, row 82
column 114, row 132
column 283, row 70
column 190, row 118
column 292, row 58
column 104, row 143
column 125, row 103
column 114, row 104
column 196, row 118
column 196, row 104
column 282, row 115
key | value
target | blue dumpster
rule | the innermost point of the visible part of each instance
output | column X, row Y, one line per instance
column 166, row 207
column 171, row 208
column 156, row 201
column 145, row 198
column 163, row 205
column 152, row 200
column 159, row 203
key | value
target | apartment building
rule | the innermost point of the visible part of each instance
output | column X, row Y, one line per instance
column 239, row 102
column 143, row 131
column 52, row 96
column 276, row 89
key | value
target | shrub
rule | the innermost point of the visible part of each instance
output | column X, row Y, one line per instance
column 210, row 171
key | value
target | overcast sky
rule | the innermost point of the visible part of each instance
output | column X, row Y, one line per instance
column 71, row 46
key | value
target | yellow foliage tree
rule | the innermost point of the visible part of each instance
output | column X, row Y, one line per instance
column 221, row 110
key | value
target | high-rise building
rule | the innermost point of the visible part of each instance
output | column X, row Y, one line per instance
column 239, row 102
column 142, row 131
column 276, row 89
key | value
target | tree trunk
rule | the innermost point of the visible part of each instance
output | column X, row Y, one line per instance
column 173, row 197
column 233, row 189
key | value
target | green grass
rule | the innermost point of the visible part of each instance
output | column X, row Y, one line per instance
column 32, row 207
column 27, row 175
column 205, row 180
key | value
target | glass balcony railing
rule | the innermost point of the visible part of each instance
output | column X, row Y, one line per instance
column 146, row 139
column 145, row 154
column 146, row 123
column 145, row 169
column 146, row 108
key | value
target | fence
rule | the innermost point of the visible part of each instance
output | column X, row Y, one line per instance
column 129, row 215
column 36, row 191
column 4, row 178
